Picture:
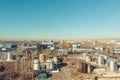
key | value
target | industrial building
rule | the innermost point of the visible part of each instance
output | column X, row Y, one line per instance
column 8, row 47
column 38, row 60
column 103, row 65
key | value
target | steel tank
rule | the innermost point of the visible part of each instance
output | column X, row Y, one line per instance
column 112, row 65
column 99, row 60
column 36, row 64
column 84, row 55
column 87, row 59
column 49, row 64
column 9, row 57
column 55, row 59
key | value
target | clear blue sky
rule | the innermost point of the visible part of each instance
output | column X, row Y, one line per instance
column 59, row 19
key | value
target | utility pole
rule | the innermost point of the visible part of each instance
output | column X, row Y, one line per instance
column 29, row 65
column 16, row 63
column 32, row 66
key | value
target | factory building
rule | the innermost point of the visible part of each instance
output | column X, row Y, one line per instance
column 79, row 48
column 47, row 45
column 76, row 47
column 8, row 47
column 104, row 65
column 116, row 51
column 99, row 48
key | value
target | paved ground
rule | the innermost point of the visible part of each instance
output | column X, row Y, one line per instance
column 64, row 74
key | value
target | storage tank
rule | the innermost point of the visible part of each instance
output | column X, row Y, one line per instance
column 112, row 65
column 9, row 57
column 84, row 55
column 42, row 76
column 52, row 48
column 49, row 64
column 36, row 65
column 99, row 60
column 55, row 60
column 87, row 59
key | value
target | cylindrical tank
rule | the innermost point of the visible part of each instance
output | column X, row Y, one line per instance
column 112, row 65
column 36, row 65
column 84, row 55
column 55, row 60
column 99, row 60
column 42, row 76
column 87, row 59
column 118, row 69
column 49, row 64
column 9, row 57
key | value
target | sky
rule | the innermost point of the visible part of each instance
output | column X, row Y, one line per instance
column 59, row 19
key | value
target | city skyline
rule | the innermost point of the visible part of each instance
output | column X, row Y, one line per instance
column 59, row 19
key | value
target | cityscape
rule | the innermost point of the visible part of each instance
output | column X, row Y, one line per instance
column 59, row 40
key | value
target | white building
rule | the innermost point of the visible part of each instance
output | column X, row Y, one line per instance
column 116, row 51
